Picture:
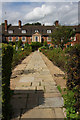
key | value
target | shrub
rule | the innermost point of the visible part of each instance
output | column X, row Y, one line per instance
column 20, row 55
column 35, row 45
column 7, row 54
column 69, row 102
column 73, row 73
column 19, row 43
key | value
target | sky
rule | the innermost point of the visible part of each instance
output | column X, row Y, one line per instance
column 42, row 11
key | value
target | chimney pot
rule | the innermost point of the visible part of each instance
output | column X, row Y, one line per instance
column 19, row 24
column 5, row 25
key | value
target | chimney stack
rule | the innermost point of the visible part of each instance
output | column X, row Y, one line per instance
column 5, row 25
column 19, row 24
column 56, row 23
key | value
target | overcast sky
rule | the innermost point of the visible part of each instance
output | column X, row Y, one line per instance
column 44, row 12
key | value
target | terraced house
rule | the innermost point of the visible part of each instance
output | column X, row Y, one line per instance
column 33, row 33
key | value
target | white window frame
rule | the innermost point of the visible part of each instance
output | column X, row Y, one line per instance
column 36, row 31
column 23, row 31
column 49, row 31
column 10, row 39
column 49, row 39
column 17, row 39
column 10, row 31
column 23, row 39
column 74, row 38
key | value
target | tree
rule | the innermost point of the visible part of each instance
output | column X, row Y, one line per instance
column 61, row 35
column 37, row 23
column 19, row 43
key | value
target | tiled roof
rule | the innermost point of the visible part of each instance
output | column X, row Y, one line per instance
column 30, row 29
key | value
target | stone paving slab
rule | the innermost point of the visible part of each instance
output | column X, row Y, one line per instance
column 51, row 95
column 21, row 103
column 32, row 102
column 51, row 102
column 26, row 79
column 59, row 113
column 39, row 113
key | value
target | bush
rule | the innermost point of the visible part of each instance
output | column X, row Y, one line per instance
column 69, row 102
column 57, row 56
column 20, row 55
column 73, row 73
column 7, row 54
column 35, row 45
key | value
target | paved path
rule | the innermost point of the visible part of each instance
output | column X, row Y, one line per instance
column 36, row 94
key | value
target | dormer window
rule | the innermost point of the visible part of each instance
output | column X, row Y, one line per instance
column 23, row 31
column 10, row 31
column 36, row 31
column 48, row 31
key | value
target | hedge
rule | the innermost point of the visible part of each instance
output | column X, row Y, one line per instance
column 7, row 54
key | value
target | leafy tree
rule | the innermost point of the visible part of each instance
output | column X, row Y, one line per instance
column 19, row 43
column 37, row 23
column 61, row 35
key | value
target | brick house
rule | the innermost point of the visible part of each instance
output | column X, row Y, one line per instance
column 32, row 33
column 75, row 39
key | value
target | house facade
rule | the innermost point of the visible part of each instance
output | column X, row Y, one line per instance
column 27, row 33
column 32, row 33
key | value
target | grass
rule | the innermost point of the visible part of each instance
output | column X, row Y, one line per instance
column 59, row 88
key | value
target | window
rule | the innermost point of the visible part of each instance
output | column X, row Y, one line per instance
column 48, row 31
column 49, row 39
column 10, row 31
column 74, row 29
column 36, row 31
column 23, row 39
column 74, row 38
column 23, row 31
column 16, row 38
column 36, row 38
column 10, row 38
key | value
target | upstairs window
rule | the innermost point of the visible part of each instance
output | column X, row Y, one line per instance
column 74, row 38
column 16, row 38
column 23, row 39
column 48, row 31
column 10, row 31
column 74, row 29
column 36, row 31
column 23, row 31
column 49, row 39
column 10, row 38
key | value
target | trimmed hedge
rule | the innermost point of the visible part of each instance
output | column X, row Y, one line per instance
column 7, row 54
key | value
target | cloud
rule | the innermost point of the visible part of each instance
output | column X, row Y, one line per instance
column 39, row 12
column 46, row 13
column 39, row 0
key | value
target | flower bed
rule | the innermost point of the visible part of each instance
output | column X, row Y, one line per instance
column 68, row 60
